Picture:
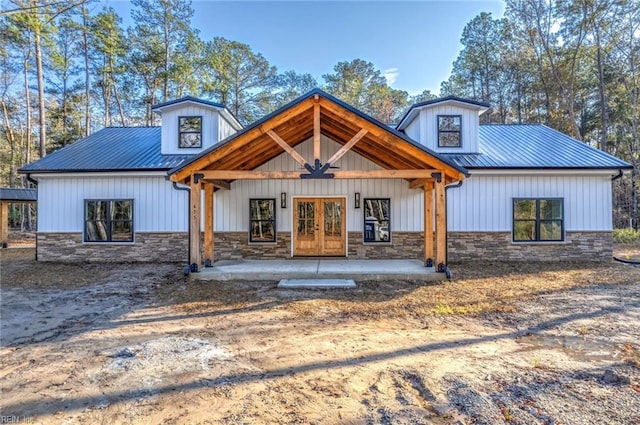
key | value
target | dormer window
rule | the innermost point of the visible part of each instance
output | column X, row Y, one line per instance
column 190, row 132
column 449, row 131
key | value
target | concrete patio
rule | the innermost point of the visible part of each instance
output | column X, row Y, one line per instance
column 358, row 270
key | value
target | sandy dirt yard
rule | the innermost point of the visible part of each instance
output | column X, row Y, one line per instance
column 501, row 343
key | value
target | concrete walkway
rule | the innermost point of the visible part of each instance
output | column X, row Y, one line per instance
column 359, row 270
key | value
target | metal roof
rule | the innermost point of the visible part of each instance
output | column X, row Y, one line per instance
column 188, row 99
column 110, row 149
column 533, row 146
column 319, row 92
column 18, row 194
column 412, row 111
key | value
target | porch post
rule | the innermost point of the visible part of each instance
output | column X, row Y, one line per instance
column 441, row 222
column 4, row 224
column 208, row 224
column 194, row 222
column 428, row 221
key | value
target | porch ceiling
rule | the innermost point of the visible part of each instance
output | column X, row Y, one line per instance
column 295, row 123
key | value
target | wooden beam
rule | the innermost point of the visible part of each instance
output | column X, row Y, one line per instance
column 428, row 220
column 344, row 149
column 194, row 223
column 284, row 145
column 220, row 184
column 208, row 223
column 292, row 175
column 4, row 224
column 316, row 128
column 441, row 223
column 419, row 183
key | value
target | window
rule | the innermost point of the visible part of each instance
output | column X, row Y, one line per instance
column 538, row 220
column 449, row 131
column 190, row 132
column 376, row 220
column 108, row 221
column 263, row 220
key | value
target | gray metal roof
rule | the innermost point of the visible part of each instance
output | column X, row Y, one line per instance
column 533, row 146
column 18, row 194
column 110, row 149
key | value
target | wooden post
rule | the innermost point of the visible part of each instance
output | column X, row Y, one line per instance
column 441, row 222
column 316, row 129
column 4, row 224
column 208, row 224
column 428, row 221
column 194, row 223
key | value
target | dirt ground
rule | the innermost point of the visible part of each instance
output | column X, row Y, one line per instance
column 501, row 343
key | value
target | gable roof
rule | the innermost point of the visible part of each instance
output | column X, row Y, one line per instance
column 414, row 109
column 18, row 194
column 531, row 146
column 110, row 149
column 294, row 123
column 159, row 107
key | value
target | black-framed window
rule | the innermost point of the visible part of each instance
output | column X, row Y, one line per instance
column 538, row 220
column 449, row 131
column 190, row 132
column 108, row 220
column 262, row 227
column 377, row 224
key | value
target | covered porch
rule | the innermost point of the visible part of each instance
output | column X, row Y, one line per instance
column 317, row 114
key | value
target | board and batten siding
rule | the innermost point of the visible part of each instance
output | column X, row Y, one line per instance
column 210, row 133
column 232, row 206
column 484, row 202
column 428, row 134
column 157, row 206
column 225, row 128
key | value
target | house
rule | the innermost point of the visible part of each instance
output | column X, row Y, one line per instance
column 320, row 178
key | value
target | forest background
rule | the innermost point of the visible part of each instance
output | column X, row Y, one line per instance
column 68, row 68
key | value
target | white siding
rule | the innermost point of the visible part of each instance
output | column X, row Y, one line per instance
column 157, row 206
column 225, row 129
column 232, row 211
column 170, row 128
column 484, row 203
column 413, row 129
column 429, row 127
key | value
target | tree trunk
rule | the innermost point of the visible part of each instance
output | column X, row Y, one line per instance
column 604, row 117
column 41, row 119
column 87, row 74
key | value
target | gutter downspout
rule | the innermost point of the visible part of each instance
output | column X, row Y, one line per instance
column 35, row 183
column 617, row 176
column 185, row 188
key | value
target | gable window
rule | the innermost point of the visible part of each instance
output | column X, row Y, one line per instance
column 376, row 220
column 449, row 131
column 538, row 220
column 190, row 132
column 108, row 220
column 262, row 226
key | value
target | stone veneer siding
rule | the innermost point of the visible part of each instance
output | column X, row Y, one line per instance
column 463, row 246
column 577, row 246
column 148, row 247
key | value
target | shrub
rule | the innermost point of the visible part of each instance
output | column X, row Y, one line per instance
column 626, row 236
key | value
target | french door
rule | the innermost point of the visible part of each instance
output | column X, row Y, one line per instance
column 319, row 227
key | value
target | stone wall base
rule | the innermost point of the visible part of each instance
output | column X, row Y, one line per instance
column 148, row 247
column 463, row 246
column 497, row 246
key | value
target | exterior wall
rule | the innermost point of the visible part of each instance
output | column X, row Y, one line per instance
column 232, row 211
column 157, row 206
column 497, row 246
column 225, row 129
column 169, row 130
column 429, row 128
column 148, row 247
column 484, row 202
column 413, row 129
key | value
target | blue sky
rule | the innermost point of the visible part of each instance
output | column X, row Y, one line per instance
column 414, row 43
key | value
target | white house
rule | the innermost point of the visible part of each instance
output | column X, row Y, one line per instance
column 320, row 178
